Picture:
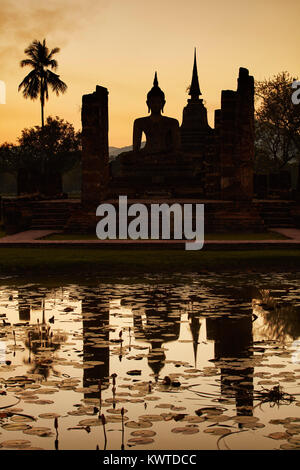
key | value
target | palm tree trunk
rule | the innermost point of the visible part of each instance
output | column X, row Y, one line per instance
column 42, row 106
column 42, row 111
column 42, row 91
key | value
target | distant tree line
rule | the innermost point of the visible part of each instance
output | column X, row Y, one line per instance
column 42, row 156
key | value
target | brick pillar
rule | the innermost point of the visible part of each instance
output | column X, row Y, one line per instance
column 237, row 139
column 95, row 166
column 227, row 144
column 245, row 133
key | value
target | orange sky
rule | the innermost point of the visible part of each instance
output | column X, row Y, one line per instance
column 120, row 43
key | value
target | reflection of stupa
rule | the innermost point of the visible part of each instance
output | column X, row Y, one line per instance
column 156, row 330
column 233, row 338
column 195, row 329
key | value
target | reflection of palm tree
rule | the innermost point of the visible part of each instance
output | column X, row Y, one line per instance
column 36, row 83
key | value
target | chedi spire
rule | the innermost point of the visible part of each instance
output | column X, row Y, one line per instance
column 194, row 91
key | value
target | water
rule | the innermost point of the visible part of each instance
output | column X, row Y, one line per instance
column 193, row 361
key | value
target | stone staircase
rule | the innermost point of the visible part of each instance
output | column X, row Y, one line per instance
column 50, row 215
column 277, row 214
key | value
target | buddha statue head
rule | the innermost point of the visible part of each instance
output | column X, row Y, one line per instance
column 156, row 98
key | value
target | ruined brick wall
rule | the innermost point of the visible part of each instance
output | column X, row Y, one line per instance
column 95, row 167
column 236, row 139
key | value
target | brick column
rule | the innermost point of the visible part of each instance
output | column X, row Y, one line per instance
column 237, row 139
column 95, row 167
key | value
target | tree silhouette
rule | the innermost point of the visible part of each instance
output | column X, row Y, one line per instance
column 277, row 121
column 37, row 82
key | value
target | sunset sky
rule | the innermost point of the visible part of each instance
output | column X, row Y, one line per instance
column 119, row 44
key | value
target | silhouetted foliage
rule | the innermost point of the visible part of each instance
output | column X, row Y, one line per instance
column 43, row 152
column 57, row 147
column 277, row 123
column 36, row 83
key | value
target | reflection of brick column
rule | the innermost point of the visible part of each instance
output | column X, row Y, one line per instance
column 95, row 169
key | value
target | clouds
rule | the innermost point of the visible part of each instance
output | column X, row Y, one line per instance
column 24, row 20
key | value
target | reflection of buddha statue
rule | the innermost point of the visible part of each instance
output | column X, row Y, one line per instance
column 162, row 133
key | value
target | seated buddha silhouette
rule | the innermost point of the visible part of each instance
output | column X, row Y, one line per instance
column 162, row 132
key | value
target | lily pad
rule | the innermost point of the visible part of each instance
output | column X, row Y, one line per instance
column 138, row 424
column 15, row 426
column 186, row 430
column 151, row 417
column 141, row 440
column 90, row 422
column 278, row 435
column 49, row 415
column 143, row 433
column 16, row 444
column 217, row 431
column 134, row 372
column 39, row 431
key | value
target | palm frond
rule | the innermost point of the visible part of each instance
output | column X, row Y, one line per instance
column 53, row 51
column 30, row 85
column 53, row 64
column 57, row 85
column 25, row 62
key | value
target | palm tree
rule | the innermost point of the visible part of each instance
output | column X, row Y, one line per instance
column 36, row 83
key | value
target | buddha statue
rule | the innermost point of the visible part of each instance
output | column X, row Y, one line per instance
column 162, row 132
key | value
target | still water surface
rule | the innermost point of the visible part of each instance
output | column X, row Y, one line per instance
column 190, row 362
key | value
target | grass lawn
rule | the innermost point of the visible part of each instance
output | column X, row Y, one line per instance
column 209, row 236
column 79, row 261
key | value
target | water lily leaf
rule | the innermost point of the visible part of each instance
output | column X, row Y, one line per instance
column 115, row 418
column 90, row 422
column 49, row 415
column 245, row 419
column 217, row 431
column 194, row 419
column 294, row 440
column 15, row 426
column 186, row 430
column 218, row 418
column 289, row 446
column 178, row 408
column 141, row 440
column 134, row 372
column 16, row 444
column 116, row 411
column 278, row 435
column 139, row 424
column 151, row 417
column 41, row 402
column 20, row 419
column 143, row 433
column 164, row 405
column 39, row 431
column 233, row 378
